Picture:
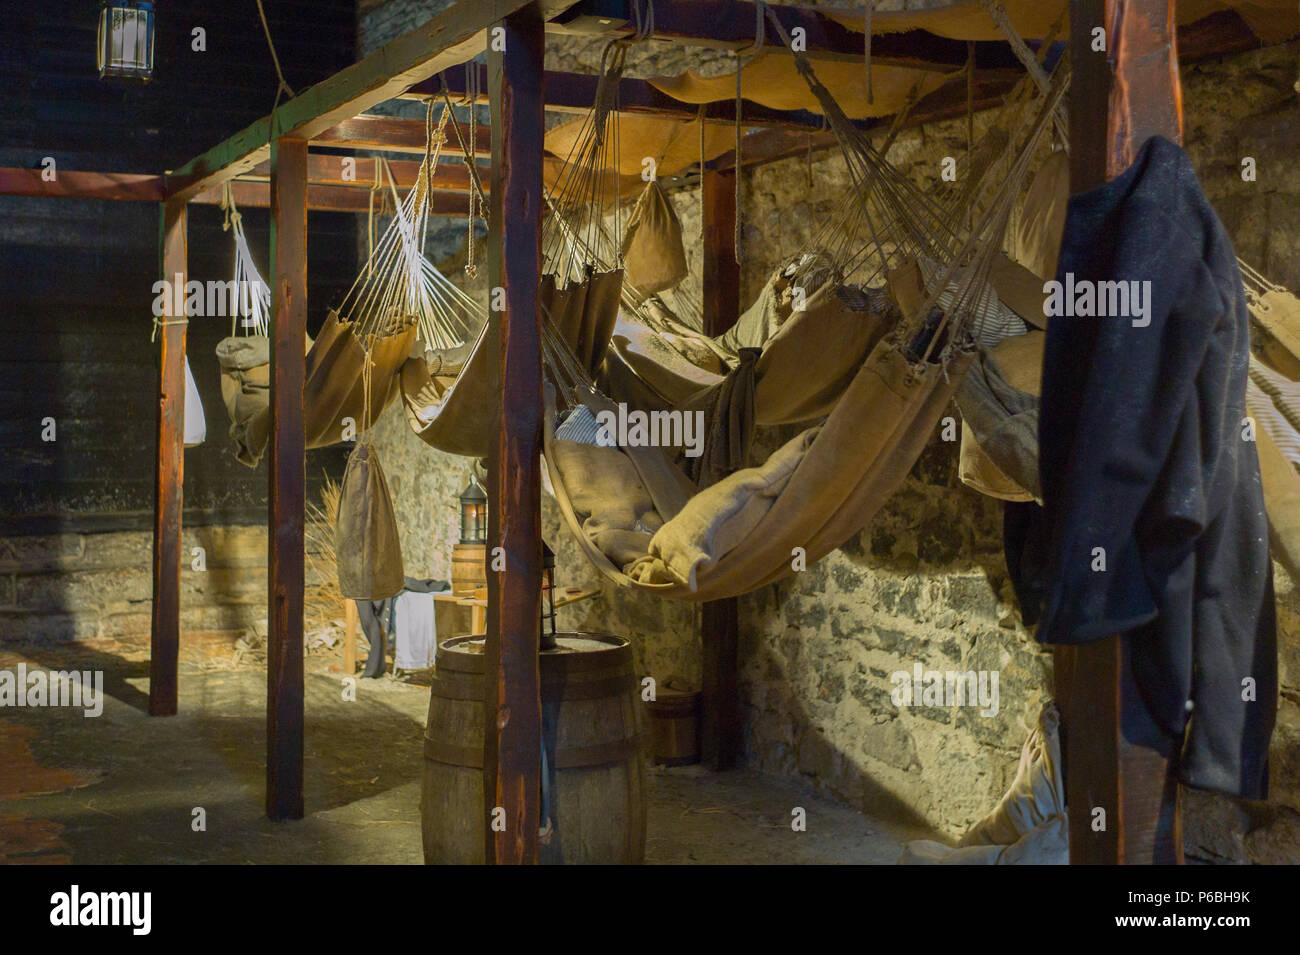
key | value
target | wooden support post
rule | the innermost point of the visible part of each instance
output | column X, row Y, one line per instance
column 512, row 753
column 286, row 495
column 721, row 735
column 169, row 475
column 1116, row 758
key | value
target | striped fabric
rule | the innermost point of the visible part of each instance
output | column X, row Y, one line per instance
column 993, row 320
column 580, row 425
column 1284, row 392
column 1269, row 416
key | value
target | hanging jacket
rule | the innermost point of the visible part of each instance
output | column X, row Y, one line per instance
column 1154, row 515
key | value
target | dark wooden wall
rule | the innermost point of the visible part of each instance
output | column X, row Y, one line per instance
column 76, row 277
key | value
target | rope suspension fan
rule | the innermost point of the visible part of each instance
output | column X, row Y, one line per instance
column 399, row 303
column 244, row 357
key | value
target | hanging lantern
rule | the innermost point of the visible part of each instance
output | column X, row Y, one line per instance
column 548, row 599
column 126, row 29
column 473, row 513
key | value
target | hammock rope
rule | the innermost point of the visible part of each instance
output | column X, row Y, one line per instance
column 253, row 304
column 398, row 284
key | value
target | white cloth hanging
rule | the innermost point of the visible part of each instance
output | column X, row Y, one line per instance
column 196, row 425
column 415, row 630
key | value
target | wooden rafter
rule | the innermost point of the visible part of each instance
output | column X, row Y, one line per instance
column 450, row 38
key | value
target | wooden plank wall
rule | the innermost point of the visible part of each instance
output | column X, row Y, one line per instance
column 78, row 276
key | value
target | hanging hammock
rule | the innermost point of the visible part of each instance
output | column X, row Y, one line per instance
column 643, row 524
column 245, row 356
column 658, row 363
column 452, row 401
column 398, row 297
column 398, row 300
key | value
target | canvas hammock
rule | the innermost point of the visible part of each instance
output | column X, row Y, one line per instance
column 643, row 524
column 398, row 305
column 244, row 357
column 451, row 401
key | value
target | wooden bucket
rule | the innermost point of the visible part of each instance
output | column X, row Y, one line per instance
column 675, row 726
column 468, row 568
column 596, row 773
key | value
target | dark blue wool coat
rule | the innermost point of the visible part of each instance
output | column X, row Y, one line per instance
column 1144, row 454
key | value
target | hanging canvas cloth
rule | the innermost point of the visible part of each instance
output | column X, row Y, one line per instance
column 244, row 357
column 808, row 356
column 246, row 392
column 365, row 536
column 583, row 312
column 196, row 425
column 814, row 493
column 335, row 387
column 652, row 250
column 1035, row 241
column 454, row 412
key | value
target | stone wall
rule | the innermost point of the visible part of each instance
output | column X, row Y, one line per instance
column 61, row 587
column 926, row 582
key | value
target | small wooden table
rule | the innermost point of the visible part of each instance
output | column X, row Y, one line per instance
column 477, row 603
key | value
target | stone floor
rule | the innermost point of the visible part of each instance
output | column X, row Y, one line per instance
column 127, row 788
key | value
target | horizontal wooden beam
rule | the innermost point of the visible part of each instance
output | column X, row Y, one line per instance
column 329, row 194
column 326, row 198
column 334, row 170
column 575, row 92
column 128, row 187
column 394, row 134
column 450, row 38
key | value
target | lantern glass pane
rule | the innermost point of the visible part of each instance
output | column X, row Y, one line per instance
column 126, row 41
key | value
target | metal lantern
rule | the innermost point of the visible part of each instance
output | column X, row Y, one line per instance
column 126, row 29
column 548, row 598
column 473, row 513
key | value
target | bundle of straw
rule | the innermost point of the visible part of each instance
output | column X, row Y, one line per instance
column 323, row 603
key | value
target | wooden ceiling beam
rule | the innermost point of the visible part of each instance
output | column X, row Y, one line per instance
column 575, row 92
column 129, row 187
column 324, row 198
column 333, row 170
column 396, row 135
column 448, row 39
column 327, row 198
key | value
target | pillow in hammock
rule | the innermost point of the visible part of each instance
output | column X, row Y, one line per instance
column 623, row 547
column 722, row 517
column 604, row 488
column 580, row 425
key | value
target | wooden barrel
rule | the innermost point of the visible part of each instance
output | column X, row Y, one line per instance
column 468, row 568
column 675, row 726
column 596, row 774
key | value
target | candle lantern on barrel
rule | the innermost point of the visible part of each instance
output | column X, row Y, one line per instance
column 547, row 641
column 468, row 557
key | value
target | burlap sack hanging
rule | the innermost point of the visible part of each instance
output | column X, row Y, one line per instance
column 365, row 536
column 653, row 256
